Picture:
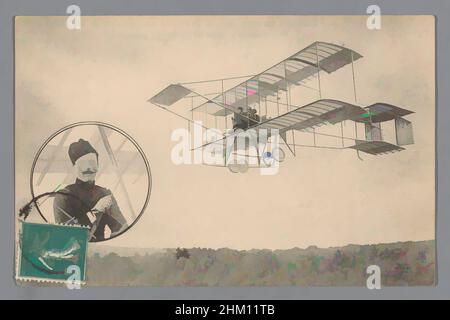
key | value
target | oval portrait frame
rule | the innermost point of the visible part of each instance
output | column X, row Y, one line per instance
column 105, row 125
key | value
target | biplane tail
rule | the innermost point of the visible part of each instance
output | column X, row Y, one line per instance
column 375, row 147
column 372, row 119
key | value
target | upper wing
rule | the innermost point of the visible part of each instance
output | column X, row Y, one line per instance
column 313, row 115
column 289, row 72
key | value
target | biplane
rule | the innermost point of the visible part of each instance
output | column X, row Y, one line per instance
column 264, row 102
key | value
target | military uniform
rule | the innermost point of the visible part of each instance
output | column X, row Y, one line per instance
column 74, row 210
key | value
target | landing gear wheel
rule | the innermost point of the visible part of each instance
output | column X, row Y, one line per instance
column 243, row 168
column 238, row 167
column 234, row 168
column 278, row 154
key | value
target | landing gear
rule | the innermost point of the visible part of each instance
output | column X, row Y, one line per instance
column 277, row 154
column 238, row 167
column 267, row 160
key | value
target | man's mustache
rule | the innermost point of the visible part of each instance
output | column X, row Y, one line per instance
column 89, row 172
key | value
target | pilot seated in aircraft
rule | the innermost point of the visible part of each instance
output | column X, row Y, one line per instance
column 244, row 120
column 254, row 117
column 91, row 205
column 240, row 120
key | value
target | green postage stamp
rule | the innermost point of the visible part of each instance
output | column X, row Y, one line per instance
column 52, row 253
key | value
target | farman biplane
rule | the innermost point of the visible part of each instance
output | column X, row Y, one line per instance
column 265, row 101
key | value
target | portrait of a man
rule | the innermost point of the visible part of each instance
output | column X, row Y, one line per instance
column 90, row 205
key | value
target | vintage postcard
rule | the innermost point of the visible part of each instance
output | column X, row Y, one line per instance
column 225, row 151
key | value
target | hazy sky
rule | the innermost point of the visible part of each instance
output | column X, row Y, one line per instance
column 107, row 70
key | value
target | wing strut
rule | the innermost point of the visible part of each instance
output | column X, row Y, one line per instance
column 318, row 71
column 356, row 101
column 283, row 136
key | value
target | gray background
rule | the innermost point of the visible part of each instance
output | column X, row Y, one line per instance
column 11, row 8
